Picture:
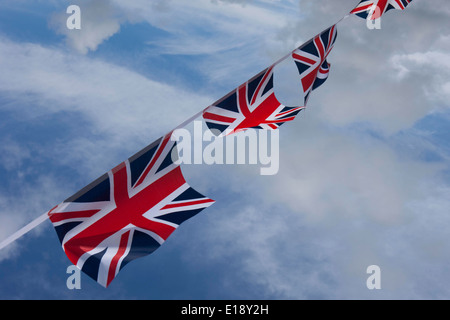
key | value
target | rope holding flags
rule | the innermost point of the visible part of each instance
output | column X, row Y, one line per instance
column 132, row 209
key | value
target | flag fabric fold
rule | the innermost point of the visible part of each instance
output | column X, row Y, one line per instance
column 127, row 213
column 311, row 60
column 374, row 9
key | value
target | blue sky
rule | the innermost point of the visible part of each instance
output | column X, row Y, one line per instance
column 364, row 171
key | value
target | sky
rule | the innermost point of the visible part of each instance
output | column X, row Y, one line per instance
column 364, row 172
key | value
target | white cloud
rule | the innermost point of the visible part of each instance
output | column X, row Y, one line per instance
column 355, row 173
column 341, row 202
column 99, row 21
column 117, row 103
column 434, row 66
column 194, row 27
column 220, row 31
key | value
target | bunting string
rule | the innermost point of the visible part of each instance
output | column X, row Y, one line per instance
column 132, row 209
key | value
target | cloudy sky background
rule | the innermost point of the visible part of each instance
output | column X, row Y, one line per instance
column 364, row 171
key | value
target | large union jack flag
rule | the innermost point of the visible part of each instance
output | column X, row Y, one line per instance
column 310, row 59
column 374, row 9
column 252, row 105
column 127, row 213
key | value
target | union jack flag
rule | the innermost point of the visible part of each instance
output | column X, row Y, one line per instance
column 374, row 9
column 310, row 59
column 251, row 105
column 127, row 213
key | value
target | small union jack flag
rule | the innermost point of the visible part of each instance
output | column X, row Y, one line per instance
column 374, row 9
column 310, row 59
column 252, row 105
column 127, row 213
